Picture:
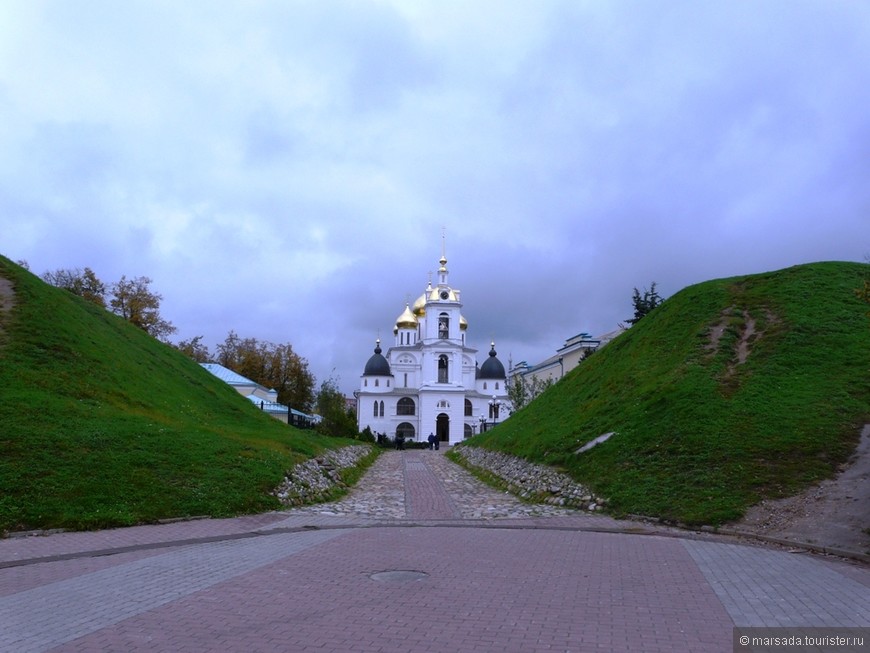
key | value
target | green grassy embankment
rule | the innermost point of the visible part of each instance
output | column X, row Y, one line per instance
column 102, row 425
column 700, row 436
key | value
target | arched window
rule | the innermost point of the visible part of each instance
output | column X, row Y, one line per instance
column 382, row 408
column 378, row 383
column 468, row 408
column 468, row 431
column 442, row 368
column 496, row 385
column 444, row 326
column 406, row 379
column 376, row 410
column 484, row 385
column 405, row 430
column 405, row 406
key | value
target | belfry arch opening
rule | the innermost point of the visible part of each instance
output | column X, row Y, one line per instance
column 443, row 368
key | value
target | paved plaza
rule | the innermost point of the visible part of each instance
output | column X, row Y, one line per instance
column 419, row 557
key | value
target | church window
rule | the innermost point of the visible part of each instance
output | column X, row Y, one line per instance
column 405, row 406
column 484, row 385
column 406, row 379
column 388, row 383
column 442, row 368
column 377, row 383
column 496, row 385
column 382, row 409
column 405, row 430
column 376, row 410
column 443, row 326
column 468, row 408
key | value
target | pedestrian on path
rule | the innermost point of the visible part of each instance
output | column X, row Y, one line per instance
column 431, row 440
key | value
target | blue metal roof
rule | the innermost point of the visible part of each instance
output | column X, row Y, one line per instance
column 227, row 375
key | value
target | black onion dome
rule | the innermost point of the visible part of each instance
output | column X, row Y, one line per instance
column 377, row 365
column 492, row 367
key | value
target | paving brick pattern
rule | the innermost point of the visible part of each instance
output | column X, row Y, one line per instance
column 772, row 588
column 57, row 612
column 485, row 591
column 425, row 496
column 499, row 575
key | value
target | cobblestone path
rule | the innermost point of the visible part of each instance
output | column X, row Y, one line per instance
column 421, row 484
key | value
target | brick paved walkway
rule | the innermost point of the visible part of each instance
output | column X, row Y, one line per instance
column 494, row 575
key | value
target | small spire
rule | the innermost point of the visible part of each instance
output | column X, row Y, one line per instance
column 443, row 245
column 442, row 271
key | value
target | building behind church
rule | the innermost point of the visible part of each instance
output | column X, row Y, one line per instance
column 429, row 380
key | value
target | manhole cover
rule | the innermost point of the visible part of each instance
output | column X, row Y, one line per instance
column 398, row 576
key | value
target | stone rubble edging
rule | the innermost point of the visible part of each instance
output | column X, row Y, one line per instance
column 530, row 480
column 317, row 478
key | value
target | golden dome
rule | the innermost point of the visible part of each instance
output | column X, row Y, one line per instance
column 406, row 320
column 420, row 306
column 463, row 323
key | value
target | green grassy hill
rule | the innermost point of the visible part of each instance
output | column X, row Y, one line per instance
column 700, row 436
column 102, row 425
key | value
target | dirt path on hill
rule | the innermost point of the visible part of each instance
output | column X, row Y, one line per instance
column 7, row 299
column 835, row 513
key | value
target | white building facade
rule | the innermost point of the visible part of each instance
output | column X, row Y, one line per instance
column 429, row 381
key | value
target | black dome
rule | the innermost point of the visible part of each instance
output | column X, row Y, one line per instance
column 492, row 367
column 377, row 365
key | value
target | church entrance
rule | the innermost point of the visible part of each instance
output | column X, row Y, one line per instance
column 442, row 427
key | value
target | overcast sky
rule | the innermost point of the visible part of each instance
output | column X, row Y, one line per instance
column 284, row 169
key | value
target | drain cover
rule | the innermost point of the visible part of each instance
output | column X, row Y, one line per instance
column 398, row 576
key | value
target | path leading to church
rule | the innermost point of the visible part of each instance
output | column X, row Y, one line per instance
column 420, row 557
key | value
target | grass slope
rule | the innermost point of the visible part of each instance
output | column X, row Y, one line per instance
column 699, row 437
column 101, row 425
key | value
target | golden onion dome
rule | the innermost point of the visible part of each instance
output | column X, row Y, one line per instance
column 463, row 323
column 406, row 320
column 419, row 308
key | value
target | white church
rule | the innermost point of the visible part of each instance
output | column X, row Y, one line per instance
column 429, row 381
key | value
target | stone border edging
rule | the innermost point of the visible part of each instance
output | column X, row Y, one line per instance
column 315, row 479
column 531, row 481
